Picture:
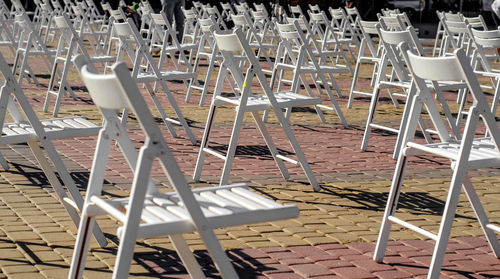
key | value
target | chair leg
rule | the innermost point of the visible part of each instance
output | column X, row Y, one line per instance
column 210, row 70
column 81, row 246
column 186, row 256
column 447, row 221
column 133, row 218
column 371, row 115
column 353, row 85
column 392, row 202
column 233, row 144
column 160, row 110
column 204, row 143
column 481, row 215
column 270, row 144
column 334, row 102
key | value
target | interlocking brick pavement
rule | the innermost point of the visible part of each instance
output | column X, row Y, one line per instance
column 332, row 238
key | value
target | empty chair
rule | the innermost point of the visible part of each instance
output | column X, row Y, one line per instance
column 147, row 212
column 249, row 101
column 26, row 128
column 146, row 71
column 295, row 55
column 472, row 152
column 367, row 54
column 70, row 44
column 401, row 79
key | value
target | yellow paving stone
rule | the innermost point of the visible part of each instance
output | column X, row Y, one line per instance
column 303, row 235
column 265, row 228
column 31, row 219
column 94, row 274
column 252, row 238
column 29, row 275
column 343, row 238
column 238, row 234
column 23, row 236
column 55, row 273
column 232, row 243
column 57, row 237
column 13, row 269
column 318, row 240
column 288, row 241
column 10, row 254
column 261, row 244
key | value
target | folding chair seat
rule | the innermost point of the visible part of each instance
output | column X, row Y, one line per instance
column 248, row 101
column 26, row 128
column 401, row 79
column 146, row 71
column 70, row 44
column 329, row 40
column 242, row 8
column 146, row 212
column 472, row 152
column 367, row 54
column 295, row 54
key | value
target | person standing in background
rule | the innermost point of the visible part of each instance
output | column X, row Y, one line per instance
column 172, row 9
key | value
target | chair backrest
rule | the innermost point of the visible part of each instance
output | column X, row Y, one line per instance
column 484, row 40
column 454, row 68
column 393, row 23
column 296, row 11
column 390, row 41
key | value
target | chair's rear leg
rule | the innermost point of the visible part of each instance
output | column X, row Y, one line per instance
column 481, row 216
column 390, row 209
column 186, row 256
column 81, row 246
column 270, row 144
column 204, row 143
column 161, row 110
column 371, row 115
column 353, row 85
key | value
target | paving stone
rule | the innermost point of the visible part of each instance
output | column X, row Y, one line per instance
column 310, row 270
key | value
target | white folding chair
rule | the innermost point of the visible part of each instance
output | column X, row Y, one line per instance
column 146, row 71
column 146, row 212
column 341, row 24
column 329, row 39
column 295, row 54
column 163, row 36
column 30, row 44
column 470, row 153
column 401, row 79
column 256, row 39
column 248, row 101
column 190, row 33
column 27, row 128
column 70, row 44
column 367, row 54
column 296, row 11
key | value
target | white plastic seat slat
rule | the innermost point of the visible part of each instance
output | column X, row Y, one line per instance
column 171, row 207
column 205, row 210
column 61, row 124
column 84, row 122
column 222, row 202
column 8, row 131
column 255, row 197
column 74, row 124
column 213, row 207
column 239, row 199
column 20, row 130
column 159, row 212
